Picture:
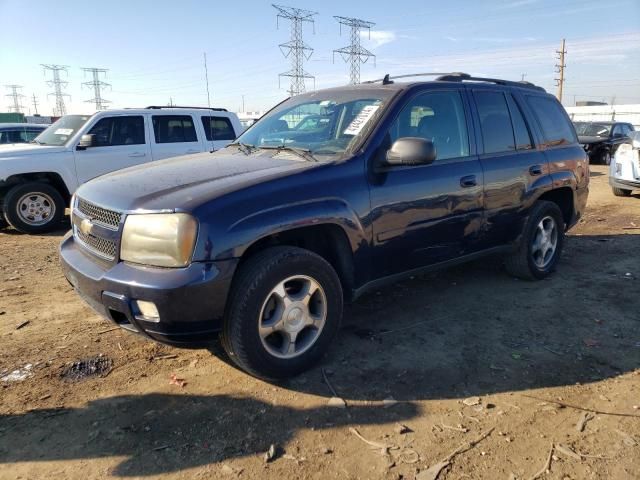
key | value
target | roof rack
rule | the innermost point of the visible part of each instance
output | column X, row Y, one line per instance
column 459, row 77
column 158, row 107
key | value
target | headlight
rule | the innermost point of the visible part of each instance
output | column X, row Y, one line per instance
column 159, row 239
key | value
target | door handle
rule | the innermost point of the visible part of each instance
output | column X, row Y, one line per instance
column 137, row 154
column 192, row 151
column 535, row 170
column 468, row 181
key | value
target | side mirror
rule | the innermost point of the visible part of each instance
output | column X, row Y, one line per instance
column 86, row 141
column 411, row 151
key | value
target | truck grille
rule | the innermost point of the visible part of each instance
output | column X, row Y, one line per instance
column 100, row 246
column 99, row 215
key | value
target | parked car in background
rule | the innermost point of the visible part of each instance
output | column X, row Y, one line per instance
column 601, row 139
column 38, row 179
column 263, row 241
column 624, row 171
column 20, row 132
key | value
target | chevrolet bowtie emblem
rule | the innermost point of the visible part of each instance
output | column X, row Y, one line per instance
column 86, row 226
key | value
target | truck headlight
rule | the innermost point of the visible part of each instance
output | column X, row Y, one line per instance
column 159, row 239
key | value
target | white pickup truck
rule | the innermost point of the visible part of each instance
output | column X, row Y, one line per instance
column 37, row 179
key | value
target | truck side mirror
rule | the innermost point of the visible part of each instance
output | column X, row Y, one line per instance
column 411, row 151
column 86, row 141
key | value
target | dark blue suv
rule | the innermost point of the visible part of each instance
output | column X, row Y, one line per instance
column 263, row 241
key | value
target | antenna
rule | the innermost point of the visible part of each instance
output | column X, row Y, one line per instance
column 97, row 86
column 355, row 54
column 295, row 48
column 58, row 85
column 206, row 76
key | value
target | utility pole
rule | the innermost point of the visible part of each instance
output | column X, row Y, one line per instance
column 522, row 78
column 58, row 85
column 35, row 103
column 355, row 54
column 243, row 104
column 97, row 85
column 15, row 98
column 295, row 48
column 206, row 77
column 560, row 69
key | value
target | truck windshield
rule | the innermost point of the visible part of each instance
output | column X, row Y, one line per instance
column 325, row 123
column 593, row 129
column 61, row 131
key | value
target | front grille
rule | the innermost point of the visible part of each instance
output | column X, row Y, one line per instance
column 100, row 246
column 99, row 215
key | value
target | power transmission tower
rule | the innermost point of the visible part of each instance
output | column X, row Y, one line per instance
column 295, row 48
column 355, row 54
column 97, row 86
column 15, row 98
column 560, row 69
column 58, row 85
column 35, row 103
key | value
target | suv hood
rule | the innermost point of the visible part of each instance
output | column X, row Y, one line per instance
column 588, row 140
column 12, row 150
column 183, row 183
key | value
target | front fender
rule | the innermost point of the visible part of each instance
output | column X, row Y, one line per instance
column 60, row 163
column 242, row 233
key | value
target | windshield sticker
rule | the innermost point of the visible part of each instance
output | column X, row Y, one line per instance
column 358, row 123
column 64, row 131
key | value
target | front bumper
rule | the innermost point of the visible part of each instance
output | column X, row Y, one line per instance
column 190, row 300
column 624, row 184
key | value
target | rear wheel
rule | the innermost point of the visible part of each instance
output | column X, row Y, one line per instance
column 606, row 158
column 34, row 207
column 285, row 308
column 540, row 245
column 620, row 192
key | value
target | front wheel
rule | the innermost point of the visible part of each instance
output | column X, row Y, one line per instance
column 285, row 307
column 620, row 192
column 34, row 207
column 540, row 245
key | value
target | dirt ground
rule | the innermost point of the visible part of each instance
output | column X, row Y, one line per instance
column 431, row 344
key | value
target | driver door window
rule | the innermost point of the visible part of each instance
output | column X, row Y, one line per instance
column 435, row 116
column 112, row 131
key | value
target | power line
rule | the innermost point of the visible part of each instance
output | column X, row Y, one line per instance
column 58, row 85
column 560, row 69
column 355, row 53
column 15, row 98
column 97, row 86
column 295, row 48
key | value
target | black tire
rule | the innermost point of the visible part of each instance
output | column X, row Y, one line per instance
column 18, row 222
column 251, row 288
column 521, row 262
column 621, row 192
column 605, row 158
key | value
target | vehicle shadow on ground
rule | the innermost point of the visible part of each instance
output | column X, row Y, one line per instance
column 58, row 232
column 161, row 433
column 475, row 330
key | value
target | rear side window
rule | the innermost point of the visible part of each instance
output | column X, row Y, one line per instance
column 174, row 129
column 555, row 125
column 218, row 128
column 114, row 131
column 495, row 122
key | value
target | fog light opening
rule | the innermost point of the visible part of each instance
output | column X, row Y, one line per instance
column 144, row 310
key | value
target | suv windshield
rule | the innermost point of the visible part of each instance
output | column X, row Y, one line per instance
column 592, row 129
column 62, row 130
column 322, row 123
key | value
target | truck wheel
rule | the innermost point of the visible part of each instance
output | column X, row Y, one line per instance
column 606, row 158
column 34, row 207
column 540, row 245
column 285, row 307
column 620, row 192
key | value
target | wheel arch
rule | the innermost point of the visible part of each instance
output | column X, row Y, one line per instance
column 52, row 178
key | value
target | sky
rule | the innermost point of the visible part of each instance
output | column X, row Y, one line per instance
column 153, row 50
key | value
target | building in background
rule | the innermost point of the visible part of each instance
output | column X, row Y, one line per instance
column 608, row 113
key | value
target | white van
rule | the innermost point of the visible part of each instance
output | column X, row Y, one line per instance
column 38, row 178
column 624, row 171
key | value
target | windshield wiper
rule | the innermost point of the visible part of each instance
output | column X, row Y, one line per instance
column 301, row 152
column 245, row 148
column 37, row 142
